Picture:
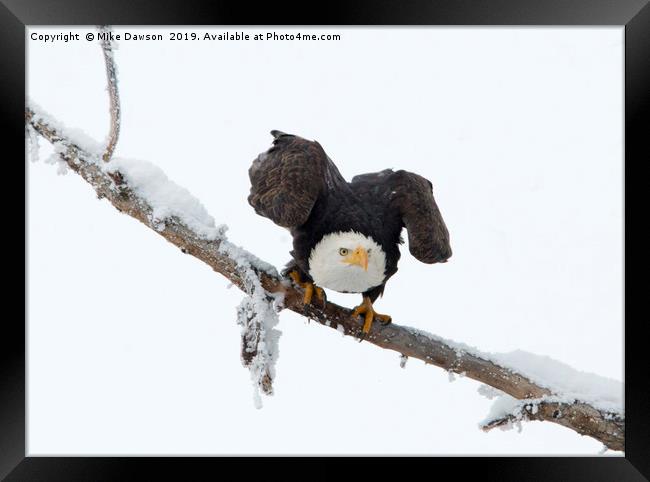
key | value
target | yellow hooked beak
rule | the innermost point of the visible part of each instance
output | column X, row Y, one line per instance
column 359, row 257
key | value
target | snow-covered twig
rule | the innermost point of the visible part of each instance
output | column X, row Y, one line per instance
column 581, row 417
column 257, row 315
column 113, row 93
column 192, row 230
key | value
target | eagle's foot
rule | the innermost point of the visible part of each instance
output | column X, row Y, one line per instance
column 320, row 294
column 310, row 288
column 370, row 315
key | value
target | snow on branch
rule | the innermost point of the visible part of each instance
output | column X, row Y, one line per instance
column 507, row 412
column 257, row 315
column 113, row 93
column 585, row 403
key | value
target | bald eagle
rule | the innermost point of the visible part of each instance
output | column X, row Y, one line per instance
column 346, row 235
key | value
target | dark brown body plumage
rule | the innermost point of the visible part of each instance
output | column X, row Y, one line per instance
column 297, row 186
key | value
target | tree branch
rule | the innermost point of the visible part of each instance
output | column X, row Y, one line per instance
column 579, row 416
column 113, row 93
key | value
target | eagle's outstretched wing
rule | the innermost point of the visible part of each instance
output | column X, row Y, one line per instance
column 409, row 197
column 287, row 179
column 428, row 235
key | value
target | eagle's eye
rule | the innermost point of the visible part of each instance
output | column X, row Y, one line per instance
column 343, row 252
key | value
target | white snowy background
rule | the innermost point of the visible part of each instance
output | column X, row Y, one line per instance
column 133, row 347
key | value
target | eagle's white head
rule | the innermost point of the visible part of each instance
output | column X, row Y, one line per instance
column 348, row 262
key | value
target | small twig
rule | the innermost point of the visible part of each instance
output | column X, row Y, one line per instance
column 113, row 93
column 578, row 416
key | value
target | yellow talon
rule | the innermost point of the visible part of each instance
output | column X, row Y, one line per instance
column 295, row 277
column 309, row 292
column 320, row 294
column 368, row 323
column 309, row 288
column 366, row 309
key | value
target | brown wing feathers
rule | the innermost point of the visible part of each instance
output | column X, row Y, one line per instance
column 287, row 179
column 427, row 233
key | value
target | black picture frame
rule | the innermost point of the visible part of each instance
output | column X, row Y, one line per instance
column 633, row 14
